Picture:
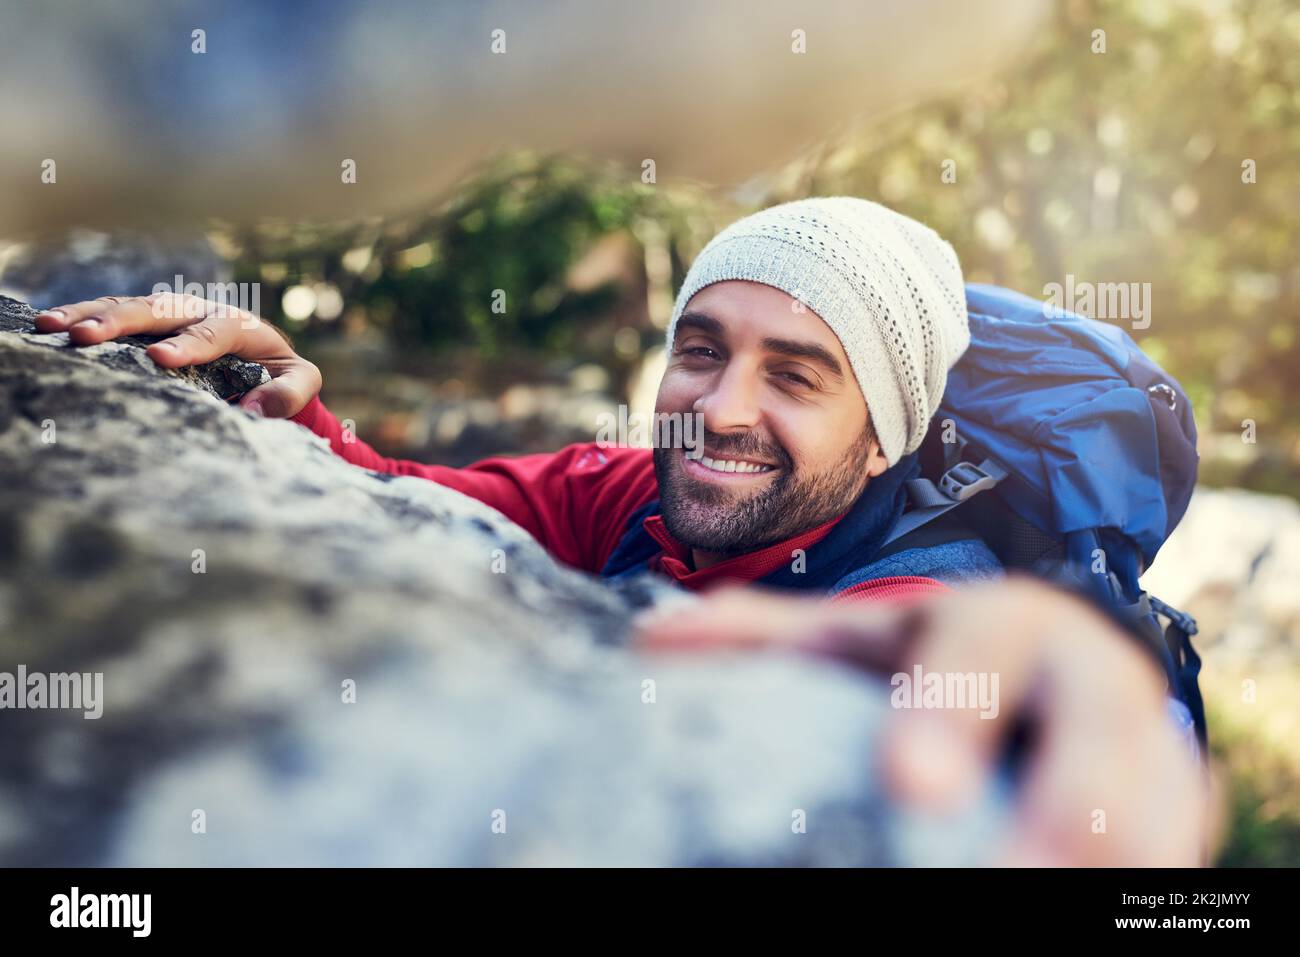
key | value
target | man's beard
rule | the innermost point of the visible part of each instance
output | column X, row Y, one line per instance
column 710, row 518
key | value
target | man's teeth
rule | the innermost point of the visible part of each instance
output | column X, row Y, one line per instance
column 731, row 465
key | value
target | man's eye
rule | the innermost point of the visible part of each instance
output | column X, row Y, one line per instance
column 702, row 352
column 796, row 379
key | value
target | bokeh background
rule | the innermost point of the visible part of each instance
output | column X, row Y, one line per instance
column 1122, row 164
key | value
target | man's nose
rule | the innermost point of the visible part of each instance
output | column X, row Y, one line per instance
column 732, row 402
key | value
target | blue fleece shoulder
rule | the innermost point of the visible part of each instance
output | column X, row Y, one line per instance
column 953, row 563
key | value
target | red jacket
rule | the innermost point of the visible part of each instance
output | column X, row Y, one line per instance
column 577, row 502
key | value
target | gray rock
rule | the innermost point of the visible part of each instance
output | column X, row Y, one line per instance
column 481, row 697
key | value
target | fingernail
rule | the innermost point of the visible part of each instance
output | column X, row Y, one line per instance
column 164, row 345
column 254, row 407
column 56, row 313
column 92, row 321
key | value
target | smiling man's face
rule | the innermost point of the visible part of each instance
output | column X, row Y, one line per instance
column 780, row 401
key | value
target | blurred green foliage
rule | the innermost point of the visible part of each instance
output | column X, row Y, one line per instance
column 1260, row 773
column 516, row 233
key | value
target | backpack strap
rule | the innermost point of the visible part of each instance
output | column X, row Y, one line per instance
column 930, row 501
column 1187, row 664
column 942, row 530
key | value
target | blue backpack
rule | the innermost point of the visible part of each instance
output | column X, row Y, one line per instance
column 1073, row 456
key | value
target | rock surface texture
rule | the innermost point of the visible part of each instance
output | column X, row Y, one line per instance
column 234, row 581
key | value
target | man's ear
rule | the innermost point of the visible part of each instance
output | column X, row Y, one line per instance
column 876, row 461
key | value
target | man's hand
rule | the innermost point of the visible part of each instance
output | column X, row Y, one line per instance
column 1106, row 782
column 204, row 331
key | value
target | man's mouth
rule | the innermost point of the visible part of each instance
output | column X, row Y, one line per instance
column 717, row 468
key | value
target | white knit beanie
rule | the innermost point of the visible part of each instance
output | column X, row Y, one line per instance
column 888, row 286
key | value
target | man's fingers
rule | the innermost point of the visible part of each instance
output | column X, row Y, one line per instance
column 204, row 331
column 724, row 618
column 749, row 617
column 123, row 318
column 293, row 386
column 196, row 343
column 99, row 320
column 980, row 645
column 1117, row 792
column 1110, row 783
column 1105, row 781
column 61, row 318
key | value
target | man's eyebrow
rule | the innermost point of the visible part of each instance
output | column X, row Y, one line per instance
column 702, row 322
column 811, row 351
column 805, row 350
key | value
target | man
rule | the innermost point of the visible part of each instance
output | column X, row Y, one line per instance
column 814, row 340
